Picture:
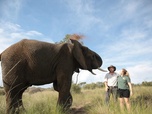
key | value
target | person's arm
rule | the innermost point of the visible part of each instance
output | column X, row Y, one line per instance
column 106, row 85
column 130, row 87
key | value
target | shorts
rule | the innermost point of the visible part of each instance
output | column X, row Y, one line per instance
column 123, row 93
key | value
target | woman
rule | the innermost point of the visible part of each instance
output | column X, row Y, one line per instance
column 124, row 88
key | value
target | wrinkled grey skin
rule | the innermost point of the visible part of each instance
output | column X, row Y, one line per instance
column 31, row 62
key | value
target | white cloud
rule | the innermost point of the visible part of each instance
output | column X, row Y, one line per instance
column 81, row 6
column 33, row 33
column 131, row 8
column 83, row 12
column 10, row 9
column 140, row 72
column 11, row 33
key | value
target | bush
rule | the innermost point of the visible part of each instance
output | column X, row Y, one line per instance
column 144, row 100
column 145, row 83
column 2, row 92
column 91, row 86
column 33, row 90
column 75, row 89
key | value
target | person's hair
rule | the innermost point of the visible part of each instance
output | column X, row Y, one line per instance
column 124, row 72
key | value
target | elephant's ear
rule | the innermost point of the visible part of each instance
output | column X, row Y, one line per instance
column 77, row 53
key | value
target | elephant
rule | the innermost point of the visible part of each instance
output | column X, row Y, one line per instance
column 33, row 62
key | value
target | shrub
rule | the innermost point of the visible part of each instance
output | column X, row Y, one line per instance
column 33, row 90
column 2, row 92
column 144, row 100
column 90, row 86
column 76, row 88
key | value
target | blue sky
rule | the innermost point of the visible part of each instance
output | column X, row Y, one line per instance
column 120, row 31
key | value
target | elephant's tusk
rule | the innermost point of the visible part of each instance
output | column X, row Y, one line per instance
column 92, row 72
column 102, row 69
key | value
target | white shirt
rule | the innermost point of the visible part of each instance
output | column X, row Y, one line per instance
column 111, row 79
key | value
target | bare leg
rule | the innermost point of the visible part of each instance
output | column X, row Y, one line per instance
column 121, row 103
column 127, row 103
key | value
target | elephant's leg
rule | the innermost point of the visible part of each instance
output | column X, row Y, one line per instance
column 64, row 80
column 65, row 97
column 55, row 86
column 11, row 103
column 65, row 100
column 69, row 100
column 9, row 98
column 14, row 99
column 20, row 102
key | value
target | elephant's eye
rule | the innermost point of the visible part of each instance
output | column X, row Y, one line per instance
column 93, row 57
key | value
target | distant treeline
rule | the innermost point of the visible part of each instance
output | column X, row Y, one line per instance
column 145, row 83
column 101, row 84
column 76, row 87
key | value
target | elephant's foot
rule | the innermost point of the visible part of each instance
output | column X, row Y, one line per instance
column 67, row 104
column 10, row 111
column 20, row 109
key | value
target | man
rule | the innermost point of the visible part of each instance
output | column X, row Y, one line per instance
column 110, row 81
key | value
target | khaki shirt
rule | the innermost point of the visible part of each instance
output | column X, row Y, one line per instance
column 111, row 79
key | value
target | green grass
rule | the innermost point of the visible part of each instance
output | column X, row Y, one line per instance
column 87, row 102
column 2, row 104
column 141, row 103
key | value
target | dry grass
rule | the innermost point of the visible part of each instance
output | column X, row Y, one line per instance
column 87, row 102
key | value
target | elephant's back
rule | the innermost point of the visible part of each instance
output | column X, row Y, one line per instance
column 12, row 52
column 22, row 50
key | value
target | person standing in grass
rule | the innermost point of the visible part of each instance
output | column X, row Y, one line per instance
column 110, row 82
column 124, row 88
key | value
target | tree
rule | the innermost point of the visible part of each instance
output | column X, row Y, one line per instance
column 145, row 83
column 75, row 89
column 72, row 36
column 82, row 84
column 100, row 84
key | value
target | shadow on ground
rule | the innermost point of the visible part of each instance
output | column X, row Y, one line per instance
column 80, row 109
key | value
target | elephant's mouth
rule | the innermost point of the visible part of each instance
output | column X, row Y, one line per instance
column 98, row 69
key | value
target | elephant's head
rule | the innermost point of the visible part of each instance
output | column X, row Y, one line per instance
column 86, row 58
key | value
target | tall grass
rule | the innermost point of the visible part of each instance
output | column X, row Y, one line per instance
column 2, row 104
column 141, row 103
column 87, row 102
column 41, row 103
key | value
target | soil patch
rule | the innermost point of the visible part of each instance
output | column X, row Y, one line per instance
column 80, row 109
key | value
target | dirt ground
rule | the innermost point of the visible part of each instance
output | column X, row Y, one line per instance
column 83, row 109
column 78, row 110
